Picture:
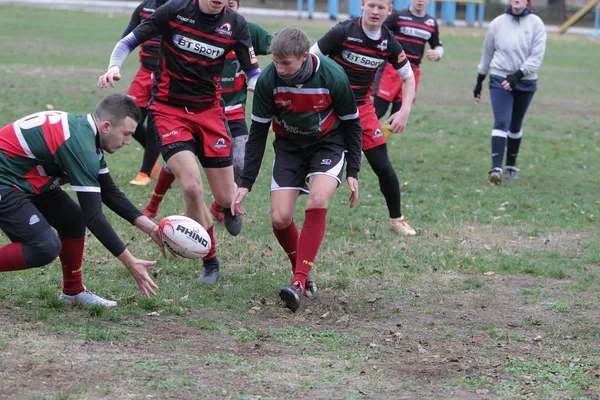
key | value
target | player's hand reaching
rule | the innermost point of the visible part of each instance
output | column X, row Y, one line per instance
column 139, row 270
column 236, row 204
column 353, row 186
column 113, row 74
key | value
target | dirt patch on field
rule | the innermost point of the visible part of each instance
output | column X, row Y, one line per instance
column 416, row 345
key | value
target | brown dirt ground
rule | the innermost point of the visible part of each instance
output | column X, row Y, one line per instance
column 407, row 348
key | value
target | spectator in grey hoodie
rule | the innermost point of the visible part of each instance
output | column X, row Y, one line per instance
column 512, row 53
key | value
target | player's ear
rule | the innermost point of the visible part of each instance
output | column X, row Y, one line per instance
column 104, row 127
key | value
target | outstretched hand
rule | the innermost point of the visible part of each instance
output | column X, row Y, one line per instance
column 236, row 204
column 139, row 270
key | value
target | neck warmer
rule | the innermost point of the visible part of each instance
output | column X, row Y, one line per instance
column 516, row 17
column 212, row 17
column 302, row 75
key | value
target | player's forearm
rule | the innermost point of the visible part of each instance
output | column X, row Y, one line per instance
column 95, row 220
column 408, row 92
column 353, row 143
column 122, row 50
column 145, row 224
column 255, row 150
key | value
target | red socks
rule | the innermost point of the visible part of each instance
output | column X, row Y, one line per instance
column 309, row 242
column 213, row 248
column 71, row 259
column 288, row 239
column 11, row 257
column 163, row 183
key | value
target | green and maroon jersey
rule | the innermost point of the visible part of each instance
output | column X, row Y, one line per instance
column 321, row 110
column 234, row 90
column 305, row 112
column 44, row 150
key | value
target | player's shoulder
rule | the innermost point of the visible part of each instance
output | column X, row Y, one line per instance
column 330, row 69
column 430, row 20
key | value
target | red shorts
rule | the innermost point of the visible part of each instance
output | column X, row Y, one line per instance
column 140, row 88
column 372, row 135
column 390, row 85
column 205, row 126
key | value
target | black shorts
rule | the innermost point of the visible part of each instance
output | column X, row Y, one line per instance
column 169, row 150
column 237, row 127
column 292, row 169
column 23, row 215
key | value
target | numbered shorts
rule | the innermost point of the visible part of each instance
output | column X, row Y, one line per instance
column 372, row 135
column 203, row 131
column 141, row 87
column 292, row 169
column 389, row 86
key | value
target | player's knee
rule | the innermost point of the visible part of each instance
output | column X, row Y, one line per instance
column 318, row 200
column 192, row 189
column 42, row 249
column 281, row 220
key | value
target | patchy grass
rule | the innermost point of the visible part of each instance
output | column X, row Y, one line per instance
column 497, row 297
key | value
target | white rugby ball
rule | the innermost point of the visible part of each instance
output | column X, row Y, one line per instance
column 184, row 236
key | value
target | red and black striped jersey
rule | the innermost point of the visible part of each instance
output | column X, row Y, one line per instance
column 149, row 49
column 360, row 56
column 193, row 51
column 413, row 32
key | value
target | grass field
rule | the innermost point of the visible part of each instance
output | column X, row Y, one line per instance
column 497, row 297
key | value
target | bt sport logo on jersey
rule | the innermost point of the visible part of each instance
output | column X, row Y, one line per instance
column 197, row 47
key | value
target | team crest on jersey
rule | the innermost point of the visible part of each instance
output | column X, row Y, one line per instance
column 383, row 45
column 430, row 22
column 197, row 47
column 361, row 60
column 377, row 134
column 220, row 144
column 225, row 29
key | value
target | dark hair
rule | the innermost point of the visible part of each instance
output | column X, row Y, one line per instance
column 290, row 42
column 116, row 107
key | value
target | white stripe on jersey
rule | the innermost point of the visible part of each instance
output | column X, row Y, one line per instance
column 92, row 123
column 300, row 90
column 89, row 189
column 261, row 120
column 348, row 117
column 41, row 170
column 65, row 127
column 22, row 140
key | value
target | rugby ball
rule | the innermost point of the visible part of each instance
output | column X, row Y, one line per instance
column 184, row 236
column 387, row 131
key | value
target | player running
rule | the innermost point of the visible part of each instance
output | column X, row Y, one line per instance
column 360, row 46
column 186, row 105
column 308, row 101
column 234, row 91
